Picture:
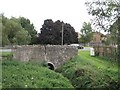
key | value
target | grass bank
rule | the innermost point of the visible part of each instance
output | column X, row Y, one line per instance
column 85, row 71
column 31, row 75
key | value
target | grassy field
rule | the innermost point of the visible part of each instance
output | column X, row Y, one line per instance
column 85, row 71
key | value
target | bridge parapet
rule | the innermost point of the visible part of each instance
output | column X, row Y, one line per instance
column 55, row 54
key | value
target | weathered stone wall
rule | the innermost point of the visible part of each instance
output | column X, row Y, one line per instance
column 29, row 52
column 55, row 54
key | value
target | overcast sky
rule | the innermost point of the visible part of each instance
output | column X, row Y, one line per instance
column 69, row 11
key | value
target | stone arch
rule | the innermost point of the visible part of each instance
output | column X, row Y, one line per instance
column 51, row 65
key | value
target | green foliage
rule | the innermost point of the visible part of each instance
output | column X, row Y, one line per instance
column 29, row 27
column 31, row 75
column 86, row 31
column 112, row 37
column 118, row 39
column 22, row 37
column 5, row 40
column 85, row 71
column 14, row 33
column 105, row 14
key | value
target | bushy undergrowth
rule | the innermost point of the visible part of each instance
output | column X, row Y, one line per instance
column 31, row 75
column 85, row 71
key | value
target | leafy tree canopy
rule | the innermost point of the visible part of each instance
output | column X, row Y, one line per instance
column 27, row 25
column 13, row 31
column 86, row 33
column 105, row 12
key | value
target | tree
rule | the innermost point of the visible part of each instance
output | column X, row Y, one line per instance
column 86, row 33
column 9, row 29
column 4, row 38
column 13, row 32
column 106, row 13
column 22, row 37
column 112, row 37
column 12, row 27
column 27, row 25
column 51, row 33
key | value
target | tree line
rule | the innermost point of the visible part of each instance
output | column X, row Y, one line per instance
column 17, row 31
column 20, row 31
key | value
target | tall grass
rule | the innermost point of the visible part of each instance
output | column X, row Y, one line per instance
column 85, row 71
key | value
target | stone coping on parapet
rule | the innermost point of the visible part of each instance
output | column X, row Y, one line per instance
column 15, row 46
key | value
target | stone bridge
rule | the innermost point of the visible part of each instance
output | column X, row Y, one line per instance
column 53, row 55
